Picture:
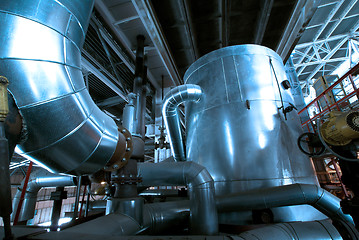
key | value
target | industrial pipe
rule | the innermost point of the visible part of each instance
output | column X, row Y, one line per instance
column 139, row 86
column 157, row 217
column 287, row 195
column 171, row 102
column 294, row 230
column 41, row 56
column 38, row 179
column 162, row 216
column 204, row 219
column 114, row 224
column 5, row 188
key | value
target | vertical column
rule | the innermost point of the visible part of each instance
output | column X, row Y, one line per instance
column 296, row 89
column 138, row 86
column 57, row 196
column 5, row 188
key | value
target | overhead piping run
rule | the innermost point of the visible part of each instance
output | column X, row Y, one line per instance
column 39, row 179
column 287, row 195
column 171, row 102
column 41, row 56
column 204, row 219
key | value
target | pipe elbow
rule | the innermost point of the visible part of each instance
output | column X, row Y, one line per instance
column 48, row 86
column 311, row 193
column 178, row 95
column 32, row 186
column 324, row 201
column 197, row 175
column 175, row 97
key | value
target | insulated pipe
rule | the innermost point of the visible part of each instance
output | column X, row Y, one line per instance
column 38, row 180
column 287, row 195
column 171, row 102
column 41, row 56
column 157, row 217
column 162, row 216
column 294, row 230
column 204, row 219
column 114, row 224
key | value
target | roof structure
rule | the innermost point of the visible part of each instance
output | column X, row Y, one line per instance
column 329, row 40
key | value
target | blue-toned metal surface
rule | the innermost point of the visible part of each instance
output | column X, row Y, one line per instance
column 323, row 230
column 203, row 218
column 40, row 55
column 38, row 179
column 238, row 130
column 171, row 101
column 296, row 89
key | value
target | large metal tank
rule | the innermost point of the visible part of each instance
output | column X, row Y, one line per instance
column 238, row 130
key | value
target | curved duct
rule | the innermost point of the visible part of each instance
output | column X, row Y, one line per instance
column 287, row 195
column 171, row 102
column 38, row 180
column 156, row 218
column 40, row 54
column 204, row 219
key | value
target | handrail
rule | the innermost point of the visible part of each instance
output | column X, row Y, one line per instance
column 355, row 68
column 328, row 107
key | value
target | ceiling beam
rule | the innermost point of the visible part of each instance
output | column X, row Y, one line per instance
column 327, row 57
column 109, row 102
column 224, row 23
column 302, row 13
column 329, row 39
column 127, row 59
column 341, row 18
column 321, row 61
column 147, row 14
column 266, row 8
column 323, row 26
column 319, row 43
column 94, row 70
column 126, row 20
column 190, row 33
column 117, row 49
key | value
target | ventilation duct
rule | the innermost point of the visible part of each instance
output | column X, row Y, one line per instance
column 41, row 56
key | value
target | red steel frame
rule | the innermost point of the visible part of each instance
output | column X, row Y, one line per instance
column 331, row 107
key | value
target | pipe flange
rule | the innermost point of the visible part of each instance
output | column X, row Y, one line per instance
column 122, row 155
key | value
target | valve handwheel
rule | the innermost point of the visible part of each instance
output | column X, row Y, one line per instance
column 315, row 147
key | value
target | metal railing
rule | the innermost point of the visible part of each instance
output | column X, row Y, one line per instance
column 340, row 104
